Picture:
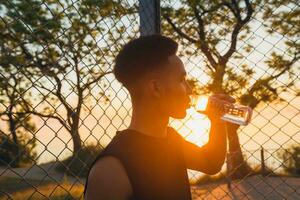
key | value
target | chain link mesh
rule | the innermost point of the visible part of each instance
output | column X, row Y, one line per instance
column 262, row 71
column 60, row 104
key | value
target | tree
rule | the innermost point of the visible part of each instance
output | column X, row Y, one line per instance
column 17, row 147
column 215, row 28
column 65, row 48
column 282, row 17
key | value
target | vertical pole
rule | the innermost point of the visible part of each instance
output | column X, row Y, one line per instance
column 262, row 160
column 149, row 12
column 228, row 170
column 228, row 163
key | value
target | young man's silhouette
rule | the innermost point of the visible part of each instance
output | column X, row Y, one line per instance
column 149, row 160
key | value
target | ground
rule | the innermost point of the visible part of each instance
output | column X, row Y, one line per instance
column 250, row 188
column 46, row 178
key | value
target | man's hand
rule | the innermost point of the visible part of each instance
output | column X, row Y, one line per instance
column 215, row 110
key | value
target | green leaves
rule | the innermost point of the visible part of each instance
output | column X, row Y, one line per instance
column 221, row 31
column 65, row 48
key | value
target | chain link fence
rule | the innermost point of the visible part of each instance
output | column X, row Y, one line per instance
column 60, row 104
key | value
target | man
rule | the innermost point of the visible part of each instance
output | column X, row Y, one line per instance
column 149, row 160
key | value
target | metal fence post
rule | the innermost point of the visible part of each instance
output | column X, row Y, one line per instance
column 149, row 12
column 228, row 169
column 262, row 160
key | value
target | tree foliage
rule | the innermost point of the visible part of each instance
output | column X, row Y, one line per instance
column 65, row 49
column 220, row 30
column 18, row 128
column 21, row 154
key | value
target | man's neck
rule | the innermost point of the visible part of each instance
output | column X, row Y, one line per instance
column 149, row 122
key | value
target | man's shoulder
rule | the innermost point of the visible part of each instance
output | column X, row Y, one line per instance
column 108, row 179
column 119, row 139
column 106, row 164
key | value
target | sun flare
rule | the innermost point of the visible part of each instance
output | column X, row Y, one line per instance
column 195, row 127
column 199, row 102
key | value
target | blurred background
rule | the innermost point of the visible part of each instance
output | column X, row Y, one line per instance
column 60, row 104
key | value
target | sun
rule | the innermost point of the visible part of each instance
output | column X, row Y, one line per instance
column 195, row 126
column 199, row 103
column 199, row 126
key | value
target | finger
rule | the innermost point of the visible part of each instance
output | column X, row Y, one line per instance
column 215, row 101
column 202, row 112
column 216, row 107
column 220, row 110
column 225, row 97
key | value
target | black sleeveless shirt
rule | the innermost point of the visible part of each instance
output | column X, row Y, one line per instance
column 155, row 166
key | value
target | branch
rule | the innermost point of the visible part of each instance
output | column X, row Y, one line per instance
column 26, row 52
column 288, row 66
column 268, row 79
column 52, row 74
column 12, row 97
column 215, row 52
column 85, row 86
column 78, row 85
column 47, row 116
column 203, row 45
column 59, row 94
column 182, row 34
column 77, row 71
column 45, row 88
column 213, row 9
column 270, row 88
column 236, row 6
column 240, row 23
column 236, row 11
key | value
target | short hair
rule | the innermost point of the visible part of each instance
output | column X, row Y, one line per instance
column 141, row 56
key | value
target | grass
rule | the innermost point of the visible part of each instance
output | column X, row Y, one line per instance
column 19, row 189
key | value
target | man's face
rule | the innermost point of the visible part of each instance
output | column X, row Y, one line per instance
column 174, row 97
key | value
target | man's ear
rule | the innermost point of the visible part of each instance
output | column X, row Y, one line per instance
column 155, row 88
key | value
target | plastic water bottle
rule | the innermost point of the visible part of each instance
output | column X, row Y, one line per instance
column 233, row 113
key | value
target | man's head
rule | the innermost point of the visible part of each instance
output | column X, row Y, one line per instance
column 154, row 75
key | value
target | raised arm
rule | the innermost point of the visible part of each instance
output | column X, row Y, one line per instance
column 209, row 158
